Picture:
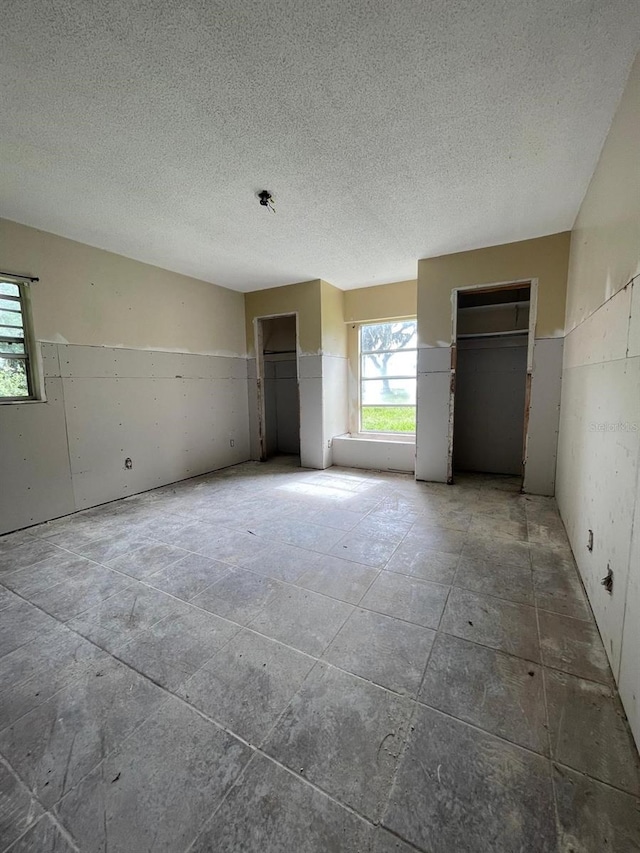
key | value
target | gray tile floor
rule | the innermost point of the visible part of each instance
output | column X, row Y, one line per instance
column 275, row 659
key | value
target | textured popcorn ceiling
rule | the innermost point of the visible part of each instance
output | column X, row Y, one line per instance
column 387, row 130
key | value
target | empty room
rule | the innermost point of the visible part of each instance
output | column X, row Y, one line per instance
column 320, row 427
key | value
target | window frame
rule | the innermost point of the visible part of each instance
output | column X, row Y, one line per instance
column 361, row 379
column 30, row 356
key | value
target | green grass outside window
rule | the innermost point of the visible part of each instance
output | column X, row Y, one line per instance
column 388, row 419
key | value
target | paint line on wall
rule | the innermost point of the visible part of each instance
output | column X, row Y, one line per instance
column 217, row 353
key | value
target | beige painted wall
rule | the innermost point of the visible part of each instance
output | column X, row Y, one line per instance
column 599, row 443
column 606, row 237
column 334, row 330
column 279, row 334
column 382, row 302
column 303, row 298
column 91, row 297
column 324, row 310
column 544, row 258
column 136, row 363
column 322, row 342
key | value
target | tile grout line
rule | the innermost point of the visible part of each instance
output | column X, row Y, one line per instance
column 145, row 579
column 64, row 832
column 369, row 821
column 236, row 567
column 254, row 749
column 241, row 628
column 248, row 627
column 313, row 667
column 234, row 785
column 554, row 795
column 232, row 567
column 54, row 805
column 316, row 660
column 45, row 812
column 417, row 704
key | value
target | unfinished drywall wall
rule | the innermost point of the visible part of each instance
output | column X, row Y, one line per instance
column 358, row 451
column 174, row 415
column 335, row 369
column 138, row 363
column 544, row 416
column 281, row 397
column 281, row 405
column 599, row 440
column 491, row 376
column 34, row 455
column 544, row 260
column 287, row 406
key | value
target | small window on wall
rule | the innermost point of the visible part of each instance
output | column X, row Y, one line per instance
column 388, row 363
column 16, row 377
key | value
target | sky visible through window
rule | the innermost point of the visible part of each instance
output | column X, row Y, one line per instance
column 388, row 365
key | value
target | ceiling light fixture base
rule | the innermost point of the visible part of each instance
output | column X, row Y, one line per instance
column 266, row 200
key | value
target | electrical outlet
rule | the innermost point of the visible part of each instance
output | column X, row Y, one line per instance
column 329, row 444
column 128, row 463
column 232, row 443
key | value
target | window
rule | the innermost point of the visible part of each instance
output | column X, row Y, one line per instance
column 388, row 355
column 16, row 377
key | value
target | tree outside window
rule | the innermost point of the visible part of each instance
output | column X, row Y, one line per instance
column 388, row 356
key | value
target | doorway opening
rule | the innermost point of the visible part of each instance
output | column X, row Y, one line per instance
column 493, row 330
column 278, row 389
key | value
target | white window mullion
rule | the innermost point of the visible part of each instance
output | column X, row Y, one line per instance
column 387, row 368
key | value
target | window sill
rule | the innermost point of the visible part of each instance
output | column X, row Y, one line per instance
column 398, row 437
column 21, row 402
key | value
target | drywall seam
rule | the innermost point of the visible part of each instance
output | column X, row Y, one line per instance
column 66, row 428
column 633, row 532
column 630, row 283
column 609, row 298
column 74, row 445
column 172, row 350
